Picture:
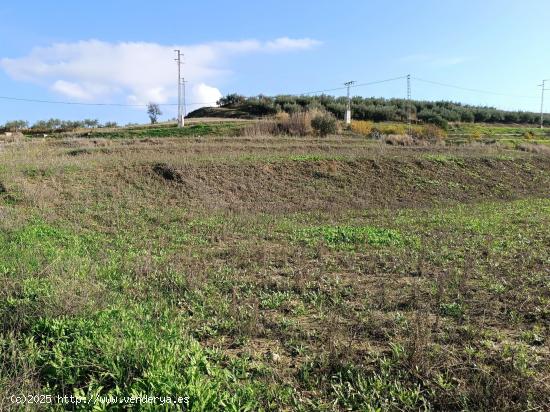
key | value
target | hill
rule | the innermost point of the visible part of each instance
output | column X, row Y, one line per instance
column 371, row 108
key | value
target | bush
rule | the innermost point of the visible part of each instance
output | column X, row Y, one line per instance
column 295, row 124
column 528, row 135
column 476, row 134
column 428, row 132
column 363, row 127
column 298, row 124
column 324, row 124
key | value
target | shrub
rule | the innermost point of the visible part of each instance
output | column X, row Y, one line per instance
column 428, row 132
column 528, row 135
column 299, row 124
column 324, row 124
column 363, row 127
column 295, row 124
column 476, row 134
column 302, row 123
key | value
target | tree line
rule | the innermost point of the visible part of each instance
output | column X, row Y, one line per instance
column 381, row 109
column 56, row 125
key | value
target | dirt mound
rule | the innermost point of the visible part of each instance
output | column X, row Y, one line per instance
column 220, row 112
column 288, row 186
column 167, row 172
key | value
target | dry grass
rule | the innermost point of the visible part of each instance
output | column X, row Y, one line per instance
column 399, row 140
column 295, row 124
column 534, row 148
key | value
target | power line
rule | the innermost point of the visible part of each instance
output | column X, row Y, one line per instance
column 380, row 81
column 61, row 102
column 91, row 104
column 346, row 87
column 71, row 103
column 473, row 90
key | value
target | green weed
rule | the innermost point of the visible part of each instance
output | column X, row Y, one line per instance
column 348, row 236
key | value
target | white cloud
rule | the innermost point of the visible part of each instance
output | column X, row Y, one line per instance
column 204, row 95
column 284, row 43
column 137, row 72
column 70, row 89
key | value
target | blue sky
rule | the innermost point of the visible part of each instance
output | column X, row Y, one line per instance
column 121, row 51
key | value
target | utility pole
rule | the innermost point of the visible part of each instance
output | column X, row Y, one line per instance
column 542, row 103
column 409, row 114
column 348, row 110
column 180, row 117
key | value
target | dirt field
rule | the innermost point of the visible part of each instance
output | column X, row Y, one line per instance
column 276, row 273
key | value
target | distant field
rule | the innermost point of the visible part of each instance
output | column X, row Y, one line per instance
column 275, row 273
